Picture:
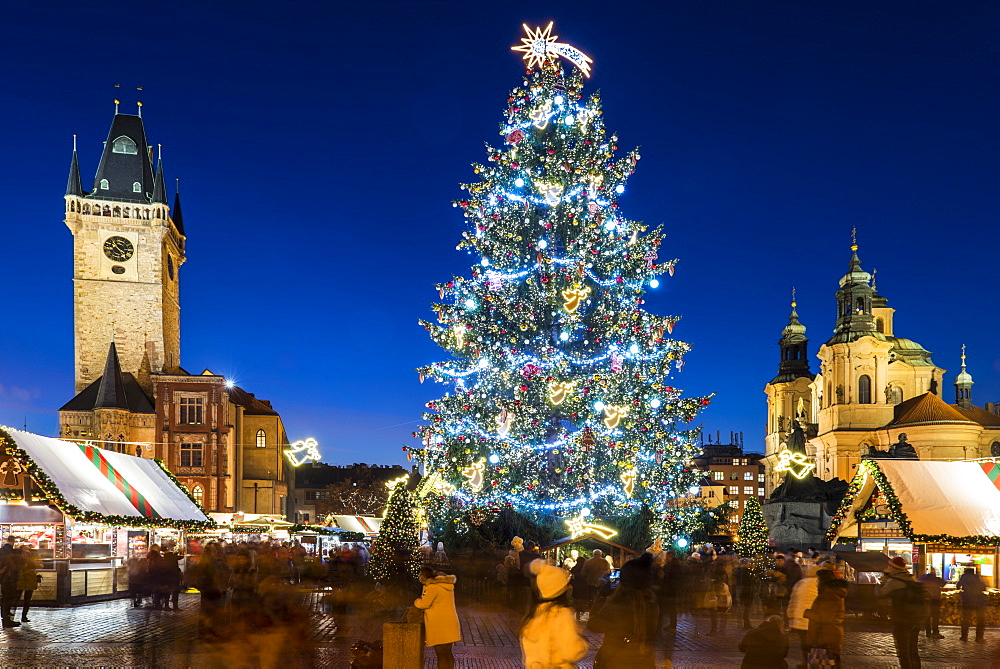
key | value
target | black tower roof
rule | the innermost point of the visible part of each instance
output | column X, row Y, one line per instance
column 175, row 213
column 126, row 161
column 854, row 305
column 73, row 185
column 794, row 348
column 159, row 190
column 111, row 391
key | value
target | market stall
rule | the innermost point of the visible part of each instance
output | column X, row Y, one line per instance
column 941, row 515
column 87, row 511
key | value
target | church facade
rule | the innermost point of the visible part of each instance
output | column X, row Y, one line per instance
column 874, row 392
column 132, row 395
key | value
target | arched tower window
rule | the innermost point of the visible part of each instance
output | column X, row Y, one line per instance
column 864, row 389
column 879, row 325
column 198, row 493
column 124, row 145
column 995, row 449
column 116, row 212
column 86, row 208
column 104, row 184
column 136, row 187
column 860, row 305
column 261, row 439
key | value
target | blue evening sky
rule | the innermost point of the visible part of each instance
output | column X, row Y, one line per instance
column 319, row 146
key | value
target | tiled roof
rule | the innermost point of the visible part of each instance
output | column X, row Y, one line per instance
column 250, row 404
column 926, row 408
column 981, row 416
column 138, row 401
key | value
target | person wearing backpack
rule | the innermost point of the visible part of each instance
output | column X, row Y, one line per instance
column 910, row 607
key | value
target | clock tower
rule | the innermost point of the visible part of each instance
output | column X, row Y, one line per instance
column 127, row 253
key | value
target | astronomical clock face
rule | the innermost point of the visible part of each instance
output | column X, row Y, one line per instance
column 118, row 249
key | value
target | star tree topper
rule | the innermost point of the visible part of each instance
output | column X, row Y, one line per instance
column 540, row 44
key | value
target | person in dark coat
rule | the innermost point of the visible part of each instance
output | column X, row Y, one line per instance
column 934, row 584
column 766, row 647
column 156, row 577
column 172, row 577
column 10, row 573
column 973, row 602
column 628, row 619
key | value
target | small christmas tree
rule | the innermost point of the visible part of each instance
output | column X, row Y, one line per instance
column 395, row 552
column 752, row 532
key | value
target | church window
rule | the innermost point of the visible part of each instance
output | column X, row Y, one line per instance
column 198, row 493
column 864, row 389
column 995, row 449
column 192, row 454
column 104, row 184
column 121, row 446
column 895, row 394
column 192, row 410
column 124, row 145
column 136, row 187
column 261, row 439
column 861, row 304
column 108, row 442
column 879, row 325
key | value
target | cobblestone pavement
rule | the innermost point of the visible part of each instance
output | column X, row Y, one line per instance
column 112, row 634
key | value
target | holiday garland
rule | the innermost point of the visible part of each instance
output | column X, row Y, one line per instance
column 896, row 514
column 58, row 500
column 327, row 531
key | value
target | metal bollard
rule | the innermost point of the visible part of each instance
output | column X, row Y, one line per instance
column 402, row 646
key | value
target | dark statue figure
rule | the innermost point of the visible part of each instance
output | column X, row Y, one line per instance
column 901, row 450
column 796, row 439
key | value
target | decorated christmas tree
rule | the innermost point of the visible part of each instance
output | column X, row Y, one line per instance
column 561, row 401
column 395, row 551
column 752, row 531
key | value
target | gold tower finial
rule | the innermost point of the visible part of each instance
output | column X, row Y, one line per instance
column 854, row 238
column 793, row 298
column 963, row 355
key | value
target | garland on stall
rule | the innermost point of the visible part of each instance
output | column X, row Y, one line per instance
column 183, row 488
column 896, row 512
column 56, row 498
column 328, row 531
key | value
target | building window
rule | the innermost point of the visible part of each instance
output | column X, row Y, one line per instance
column 192, row 454
column 718, row 476
column 734, row 490
column 879, row 325
column 136, row 187
column 734, row 476
column 748, row 476
column 124, row 145
column 261, row 439
column 748, row 490
column 760, row 492
column 734, row 519
column 760, row 478
column 711, row 494
column 192, row 410
column 104, row 184
column 895, row 394
column 198, row 493
column 305, row 518
column 864, row 389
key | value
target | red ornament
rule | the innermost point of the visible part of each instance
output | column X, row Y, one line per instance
column 515, row 136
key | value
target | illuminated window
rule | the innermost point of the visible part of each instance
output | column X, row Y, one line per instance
column 261, row 439
column 136, row 187
column 192, row 454
column 748, row 490
column 760, row 492
column 104, row 184
column 192, row 410
column 198, row 493
column 760, row 478
column 124, row 145
column 718, row 476
column 748, row 476
column 734, row 519
column 734, row 490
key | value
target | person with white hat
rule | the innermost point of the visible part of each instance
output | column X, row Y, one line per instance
column 550, row 638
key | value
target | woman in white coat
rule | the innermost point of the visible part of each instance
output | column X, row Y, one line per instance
column 440, row 616
column 550, row 638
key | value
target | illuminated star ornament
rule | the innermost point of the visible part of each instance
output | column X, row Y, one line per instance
column 578, row 526
column 540, row 44
column 795, row 463
column 303, row 451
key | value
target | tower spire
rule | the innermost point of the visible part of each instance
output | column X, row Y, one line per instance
column 963, row 386
column 794, row 347
column 175, row 213
column 159, row 190
column 854, row 301
column 73, row 185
